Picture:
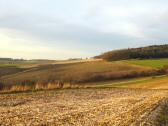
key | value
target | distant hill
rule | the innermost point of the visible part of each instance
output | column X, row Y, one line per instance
column 149, row 52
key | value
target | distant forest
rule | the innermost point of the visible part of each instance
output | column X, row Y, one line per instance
column 149, row 52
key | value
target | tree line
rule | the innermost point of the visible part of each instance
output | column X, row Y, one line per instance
column 149, row 52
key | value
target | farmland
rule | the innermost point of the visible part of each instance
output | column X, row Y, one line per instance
column 111, row 101
column 77, row 72
column 154, row 63
column 156, row 82
column 89, row 107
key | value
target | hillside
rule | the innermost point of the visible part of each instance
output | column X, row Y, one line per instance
column 149, row 52
column 154, row 63
column 77, row 73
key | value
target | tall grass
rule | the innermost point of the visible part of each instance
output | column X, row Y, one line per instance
column 40, row 86
column 82, row 82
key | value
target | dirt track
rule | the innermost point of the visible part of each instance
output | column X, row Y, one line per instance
column 80, row 107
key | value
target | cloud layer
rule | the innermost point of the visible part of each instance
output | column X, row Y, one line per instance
column 79, row 28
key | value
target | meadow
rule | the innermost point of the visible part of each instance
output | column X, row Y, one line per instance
column 154, row 82
column 154, row 63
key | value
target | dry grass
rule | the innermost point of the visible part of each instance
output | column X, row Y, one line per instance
column 92, row 71
column 40, row 86
column 150, row 83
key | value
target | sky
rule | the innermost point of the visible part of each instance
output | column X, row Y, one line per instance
column 62, row 29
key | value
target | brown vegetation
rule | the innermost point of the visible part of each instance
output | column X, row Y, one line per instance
column 52, row 76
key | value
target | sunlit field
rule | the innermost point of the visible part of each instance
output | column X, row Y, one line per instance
column 111, row 101
column 155, row 63
column 119, row 107
column 75, row 73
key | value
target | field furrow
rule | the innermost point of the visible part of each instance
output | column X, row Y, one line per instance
column 85, row 107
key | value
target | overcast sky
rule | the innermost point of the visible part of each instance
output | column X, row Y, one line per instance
column 60, row 29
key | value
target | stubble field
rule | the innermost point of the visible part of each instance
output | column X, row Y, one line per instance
column 80, row 107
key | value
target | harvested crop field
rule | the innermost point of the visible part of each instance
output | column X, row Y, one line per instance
column 80, row 107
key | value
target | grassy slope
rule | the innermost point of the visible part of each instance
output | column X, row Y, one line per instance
column 154, row 63
column 73, row 71
column 157, row 82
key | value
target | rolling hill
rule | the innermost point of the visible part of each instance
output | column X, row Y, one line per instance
column 77, row 73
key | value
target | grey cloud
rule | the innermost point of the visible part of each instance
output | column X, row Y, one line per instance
column 153, row 25
column 55, row 31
